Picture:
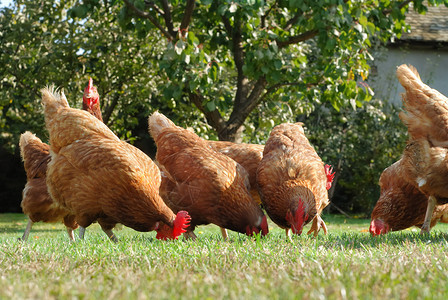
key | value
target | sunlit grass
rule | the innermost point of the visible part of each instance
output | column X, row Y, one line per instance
column 347, row 263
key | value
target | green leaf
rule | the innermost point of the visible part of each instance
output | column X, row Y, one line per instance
column 210, row 106
column 179, row 47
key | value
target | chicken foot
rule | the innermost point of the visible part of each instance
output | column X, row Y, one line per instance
column 111, row 235
column 318, row 223
column 190, row 235
column 426, row 227
column 27, row 230
column 70, row 234
column 288, row 234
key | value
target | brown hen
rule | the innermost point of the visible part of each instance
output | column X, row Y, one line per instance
column 401, row 205
column 36, row 202
column 293, row 180
column 425, row 161
column 212, row 187
column 98, row 177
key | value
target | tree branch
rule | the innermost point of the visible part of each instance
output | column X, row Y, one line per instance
column 214, row 118
column 110, row 108
column 292, row 21
column 234, row 33
column 187, row 17
column 167, row 16
column 263, row 17
column 148, row 16
column 298, row 38
column 240, row 113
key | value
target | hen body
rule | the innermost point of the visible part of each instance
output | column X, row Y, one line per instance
column 247, row 155
column 292, row 180
column 425, row 161
column 401, row 204
column 36, row 201
column 98, row 177
column 212, row 187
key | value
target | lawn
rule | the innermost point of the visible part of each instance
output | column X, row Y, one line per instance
column 345, row 264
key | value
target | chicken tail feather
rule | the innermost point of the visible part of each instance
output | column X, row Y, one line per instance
column 53, row 99
column 157, row 122
column 25, row 139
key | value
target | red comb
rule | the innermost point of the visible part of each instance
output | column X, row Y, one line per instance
column 181, row 222
column 330, row 176
column 298, row 221
column 378, row 227
column 250, row 231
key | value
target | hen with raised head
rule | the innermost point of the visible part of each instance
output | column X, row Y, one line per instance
column 425, row 160
column 98, row 177
column 36, row 202
column 212, row 187
column 293, row 180
column 401, row 205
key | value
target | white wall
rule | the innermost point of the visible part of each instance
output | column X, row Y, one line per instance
column 432, row 65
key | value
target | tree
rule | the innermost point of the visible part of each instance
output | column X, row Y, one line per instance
column 229, row 57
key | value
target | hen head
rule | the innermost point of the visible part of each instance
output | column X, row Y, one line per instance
column 250, row 231
column 330, row 176
column 91, row 96
column 298, row 219
column 378, row 226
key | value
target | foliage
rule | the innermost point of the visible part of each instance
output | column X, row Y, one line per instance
column 360, row 143
column 229, row 57
column 43, row 45
column 345, row 264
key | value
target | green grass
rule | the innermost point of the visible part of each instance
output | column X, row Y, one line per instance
column 345, row 264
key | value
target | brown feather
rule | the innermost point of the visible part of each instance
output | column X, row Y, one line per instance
column 98, row 177
column 212, row 187
column 247, row 155
column 401, row 205
column 291, row 170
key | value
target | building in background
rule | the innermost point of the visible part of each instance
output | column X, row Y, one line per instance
column 425, row 47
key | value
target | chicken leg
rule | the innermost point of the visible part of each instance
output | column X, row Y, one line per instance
column 225, row 236
column 27, row 230
column 426, row 227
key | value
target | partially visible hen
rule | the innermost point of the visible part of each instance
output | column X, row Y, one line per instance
column 36, row 202
column 401, row 205
column 212, row 187
column 425, row 160
column 247, row 155
column 98, row 177
column 293, row 180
